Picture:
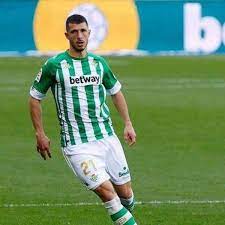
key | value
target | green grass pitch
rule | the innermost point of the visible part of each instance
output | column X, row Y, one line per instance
column 178, row 109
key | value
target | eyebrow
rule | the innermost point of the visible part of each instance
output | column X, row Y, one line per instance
column 73, row 30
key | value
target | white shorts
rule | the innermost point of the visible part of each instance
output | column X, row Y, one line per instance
column 98, row 161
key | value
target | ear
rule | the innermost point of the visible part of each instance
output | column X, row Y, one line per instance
column 89, row 32
column 66, row 35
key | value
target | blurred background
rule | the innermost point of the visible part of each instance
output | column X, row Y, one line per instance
column 147, row 27
column 169, row 57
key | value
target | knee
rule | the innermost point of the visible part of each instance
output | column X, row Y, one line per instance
column 124, row 191
column 127, row 193
column 105, row 193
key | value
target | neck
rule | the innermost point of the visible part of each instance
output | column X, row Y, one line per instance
column 77, row 54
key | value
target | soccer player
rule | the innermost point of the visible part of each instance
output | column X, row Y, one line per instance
column 79, row 82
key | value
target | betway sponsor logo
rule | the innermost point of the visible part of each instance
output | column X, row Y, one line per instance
column 201, row 33
column 85, row 80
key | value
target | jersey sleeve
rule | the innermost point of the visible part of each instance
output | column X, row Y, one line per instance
column 42, row 82
column 112, row 85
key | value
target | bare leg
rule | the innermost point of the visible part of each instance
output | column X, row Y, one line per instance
column 118, row 213
column 126, row 195
column 124, row 190
column 106, row 191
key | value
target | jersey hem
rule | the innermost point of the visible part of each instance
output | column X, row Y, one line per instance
column 96, row 139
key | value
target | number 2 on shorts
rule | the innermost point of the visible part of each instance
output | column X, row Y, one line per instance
column 87, row 166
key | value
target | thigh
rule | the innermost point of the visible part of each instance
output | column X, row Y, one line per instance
column 116, row 162
column 89, row 167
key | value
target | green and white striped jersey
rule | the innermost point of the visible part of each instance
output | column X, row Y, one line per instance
column 79, row 87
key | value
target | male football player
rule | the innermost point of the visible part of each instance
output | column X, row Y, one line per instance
column 79, row 82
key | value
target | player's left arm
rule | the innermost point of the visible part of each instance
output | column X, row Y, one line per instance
column 113, row 88
column 121, row 106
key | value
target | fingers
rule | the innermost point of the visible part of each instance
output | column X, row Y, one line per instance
column 126, row 138
column 43, row 152
column 130, row 139
column 43, row 155
column 43, row 146
column 49, row 153
column 129, row 134
column 48, row 150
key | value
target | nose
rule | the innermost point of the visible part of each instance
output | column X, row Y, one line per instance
column 79, row 34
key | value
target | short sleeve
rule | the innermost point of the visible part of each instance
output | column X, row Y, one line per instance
column 42, row 82
column 112, row 85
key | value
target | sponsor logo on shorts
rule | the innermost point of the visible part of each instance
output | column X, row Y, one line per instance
column 124, row 172
column 94, row 177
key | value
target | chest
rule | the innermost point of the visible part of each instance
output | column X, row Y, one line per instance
column 78, row 74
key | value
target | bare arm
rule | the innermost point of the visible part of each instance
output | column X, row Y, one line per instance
column 43, row 143
column 121, row 106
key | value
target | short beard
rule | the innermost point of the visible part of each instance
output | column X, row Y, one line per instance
column 77, row 49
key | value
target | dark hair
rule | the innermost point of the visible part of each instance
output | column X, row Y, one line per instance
column 75, row 18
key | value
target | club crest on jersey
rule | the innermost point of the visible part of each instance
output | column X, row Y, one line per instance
column 66, row 65
column 38, row 77
column 85, row 80
column 95, row 63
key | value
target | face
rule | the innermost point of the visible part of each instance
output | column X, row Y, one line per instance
column 78, row 35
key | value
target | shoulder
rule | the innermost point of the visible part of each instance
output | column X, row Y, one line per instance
column 56, row 59
column 100, row 59
column 53, row 63
column 97, row 57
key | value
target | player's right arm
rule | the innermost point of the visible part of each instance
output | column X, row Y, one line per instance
column 43, row 142
column 38, row 90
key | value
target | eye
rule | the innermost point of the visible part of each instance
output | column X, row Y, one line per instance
column 73, row 31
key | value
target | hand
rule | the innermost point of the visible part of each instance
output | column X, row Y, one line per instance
column 129, row 134
column 43, row 146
